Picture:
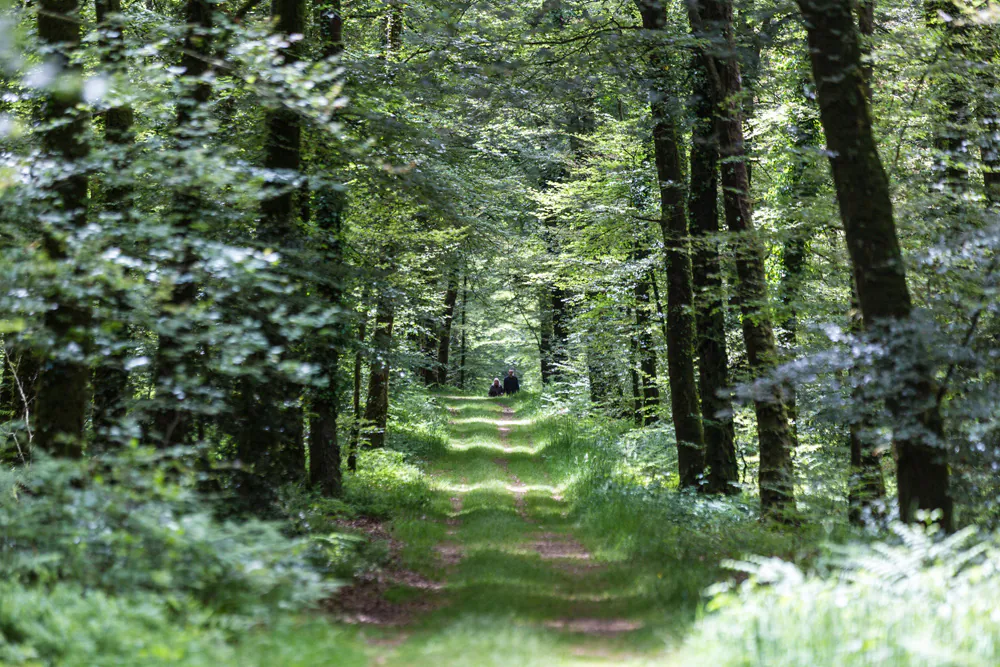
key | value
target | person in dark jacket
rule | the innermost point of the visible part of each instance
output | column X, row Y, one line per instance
column 495, row 388
column 511, row 385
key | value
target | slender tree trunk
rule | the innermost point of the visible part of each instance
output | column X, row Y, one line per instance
column 352, row 457
column 330, row 204
column 774, row 431
column 879, row 271
column 461, row 361
column 62, row 389
column 950, row 140
column 713, row 357
column 680, row 295
column 444, row 340
column 377, row 404
column 273, row 437
column 634, row 373
column 650, row 393
column 545, row 355
column 560, row 334
column 175, row 365
column 659, row 306
column 110, row 379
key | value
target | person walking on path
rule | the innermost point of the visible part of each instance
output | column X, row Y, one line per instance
column 511, row 385
column 495, row 388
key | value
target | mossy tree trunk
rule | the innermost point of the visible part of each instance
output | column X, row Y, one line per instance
column 329, row 204
column 377, row 403
column 444, row 339
column 879, row 272
column 649, row 397
column 714, row 19
column 713, row 358
column 681, row 328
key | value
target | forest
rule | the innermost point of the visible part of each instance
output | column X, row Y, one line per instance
column 261, row 262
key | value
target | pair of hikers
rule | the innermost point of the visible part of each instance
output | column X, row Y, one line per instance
column 511, row 385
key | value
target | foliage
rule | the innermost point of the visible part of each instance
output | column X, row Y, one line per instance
column 917, row 600
column 385, row 484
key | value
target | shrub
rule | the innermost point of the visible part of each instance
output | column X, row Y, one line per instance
column 925, row 600
column 385, row 484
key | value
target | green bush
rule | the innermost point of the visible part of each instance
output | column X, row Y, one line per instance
column 385, row 484
column 69, row 626
column 126, row 530
column 923, row 601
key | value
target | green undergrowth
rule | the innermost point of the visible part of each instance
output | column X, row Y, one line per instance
column 103, row 563
column 743, row 592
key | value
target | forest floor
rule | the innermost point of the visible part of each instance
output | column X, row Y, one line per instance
column 492, row 573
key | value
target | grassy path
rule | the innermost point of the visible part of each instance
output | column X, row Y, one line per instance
column 493, row 572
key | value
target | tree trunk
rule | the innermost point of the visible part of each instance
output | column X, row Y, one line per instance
column 545, row 355
column 175, row 365
column 352, row 456
column 634, row 373
column 951, row 163
column 377, row 404
column 330, row 204
column 649, row 400
column 560, row 334
column 272, row 438
column 444, row 340
column 879, row 273
column 110, row 379
column 774, row 431
column 713, row 358
column 461, row 359
column 680, row 295
column 62, row 389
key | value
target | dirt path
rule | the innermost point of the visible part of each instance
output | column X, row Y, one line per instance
column 496, row 573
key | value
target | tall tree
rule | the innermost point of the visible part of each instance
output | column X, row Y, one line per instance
column 685, row 409
column 377, row 403
column 649, row 398
column 272, row 437
column 713, row 358
column 713, row 20
column 329, row 203
column 462, row 350
column 879, row 272
column 62, row 389
column 444, row 339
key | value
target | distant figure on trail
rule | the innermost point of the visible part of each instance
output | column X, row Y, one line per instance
column 496, row 389
column 511, row 385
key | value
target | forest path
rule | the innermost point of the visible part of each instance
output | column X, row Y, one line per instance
column 513, row 585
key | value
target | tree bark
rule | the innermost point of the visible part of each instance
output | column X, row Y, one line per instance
column 352, row 456
column 713, row 357
column 330, row 204
column 461, row 359
column 560, row 334
column 377, row 403
column 681, row 337
column 649, row 400
column 545, row 335
column 774, row 431
column 879, row 273
column 444, row 340
column 62, row 389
